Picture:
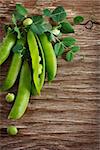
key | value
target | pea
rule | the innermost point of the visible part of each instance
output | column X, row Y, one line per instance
column 39, row 58
column 6, row 46
column 40, row 69
column 12, row 130
column 10, row 97
column 27, row 21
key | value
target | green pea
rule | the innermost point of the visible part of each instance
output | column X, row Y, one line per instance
column 27, row 21
column 6, row 46
column 12, row 130
column 39, row 58
column 50, row 57
column 40, row 69
column 23, row 94
column 10, row 97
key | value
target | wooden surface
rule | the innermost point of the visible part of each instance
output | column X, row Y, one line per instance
column 66, row 115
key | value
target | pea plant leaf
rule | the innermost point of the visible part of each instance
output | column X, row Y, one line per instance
column 18, row 16
column 69, row 41
column 18, row 48
column 39, row 26
column 37, row 19
column 21, row 10
column 78, row 19
column 50, row 36
column 58, row 14
column 59, row 48
column 75, row 49
column 48, row 26
column 66, row 27
column 38, row 29
column 47, row 12
column 69, row 56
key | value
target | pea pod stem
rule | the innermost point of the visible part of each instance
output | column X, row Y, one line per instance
column 6, row 46
column 23, row 94
column 50, row 57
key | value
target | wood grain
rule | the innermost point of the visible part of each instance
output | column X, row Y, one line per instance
column 66, row 114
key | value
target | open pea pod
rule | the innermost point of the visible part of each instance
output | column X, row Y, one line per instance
column 42, row 63
column 41, row 71
column 38, row 65
column 6, row 46
column 50, row 57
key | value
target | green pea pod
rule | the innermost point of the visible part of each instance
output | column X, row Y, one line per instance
column 33, row 48
column 13, row 72
column 42, row 75
column 33, row 89
column 6, row 46
column 23, row 94
column 50, row 58
column 14, row 68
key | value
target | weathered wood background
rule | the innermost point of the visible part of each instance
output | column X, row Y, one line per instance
column 66, row 114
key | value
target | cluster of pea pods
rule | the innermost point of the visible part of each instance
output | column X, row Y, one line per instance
column 43, row 60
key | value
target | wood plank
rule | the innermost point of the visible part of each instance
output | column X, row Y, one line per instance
column 66, row 114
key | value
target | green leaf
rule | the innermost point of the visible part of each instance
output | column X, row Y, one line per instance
column 48, row 26
column 66, row 27
column 37, row 19
column 18, row 48
column 38, row 29
column 59, row 49
column 21, row 10
column 78, row 19
column 39, row 26
column 68, row 41
column 75, row 49
column 18, row 16
column 16, row 29
column 47, row 12
column 58, row 14
column 13, row 19
column 69, row 56
column 50, row 36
